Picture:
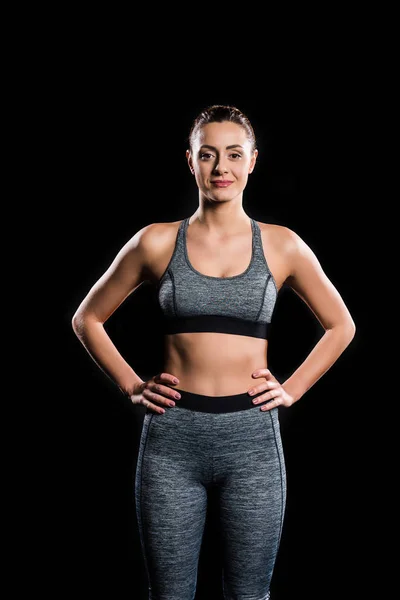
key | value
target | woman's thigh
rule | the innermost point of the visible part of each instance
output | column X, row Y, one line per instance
column 182, row 453
column 171, row 502
column 249, row 473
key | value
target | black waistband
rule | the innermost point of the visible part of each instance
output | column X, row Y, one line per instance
column 216, row 323
column 215, row 404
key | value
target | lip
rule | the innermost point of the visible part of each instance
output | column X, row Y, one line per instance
column 223, row 183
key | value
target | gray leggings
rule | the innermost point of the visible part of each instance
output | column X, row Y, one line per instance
column 230, row 444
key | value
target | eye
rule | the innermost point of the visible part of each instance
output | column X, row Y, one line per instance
column 205, row 155
column 235, row 155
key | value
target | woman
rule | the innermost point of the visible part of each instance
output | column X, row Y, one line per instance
column 212, row 414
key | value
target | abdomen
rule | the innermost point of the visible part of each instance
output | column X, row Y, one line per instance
column 214, row 364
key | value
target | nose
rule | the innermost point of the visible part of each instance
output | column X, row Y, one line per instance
column 220, row 167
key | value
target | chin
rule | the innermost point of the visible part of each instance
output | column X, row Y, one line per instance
column 221, row 195
column 220, row 200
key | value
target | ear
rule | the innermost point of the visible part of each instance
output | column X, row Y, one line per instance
column 190, row 162
column 253, row 161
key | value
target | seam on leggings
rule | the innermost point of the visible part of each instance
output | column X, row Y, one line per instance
column 140, row 499
column 280, row 469
column 212, row 451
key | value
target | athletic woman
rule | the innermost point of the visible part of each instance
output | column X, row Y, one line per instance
column 212, row 413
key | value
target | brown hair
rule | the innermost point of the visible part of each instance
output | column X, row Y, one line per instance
column 218, row 113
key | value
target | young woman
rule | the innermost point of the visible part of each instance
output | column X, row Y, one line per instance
column 212, row 414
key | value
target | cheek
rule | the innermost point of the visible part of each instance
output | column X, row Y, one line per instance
column 201, row 177
column 204, row 170
column 242, row 171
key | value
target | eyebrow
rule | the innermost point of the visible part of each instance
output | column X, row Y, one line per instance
column 227, row 148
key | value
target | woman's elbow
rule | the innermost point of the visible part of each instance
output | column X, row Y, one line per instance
column 78, row 322
column 84, row 318
column 81, row 319
column 349, row 330
column 344, row 330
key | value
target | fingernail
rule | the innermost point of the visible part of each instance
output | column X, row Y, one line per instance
column 174, row 381
column 251, row 392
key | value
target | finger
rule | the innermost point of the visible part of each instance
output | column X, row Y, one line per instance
column 267, row 385
column 163, row 390
column 263, row 373
column 272, row 403
column 166, row 378
column 267, row 396
column 157, row 398
column 152, row 406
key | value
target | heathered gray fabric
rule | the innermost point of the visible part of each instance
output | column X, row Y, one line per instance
column 181, row 454
column 184, row 292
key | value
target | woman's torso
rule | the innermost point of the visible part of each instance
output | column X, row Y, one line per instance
column 234, row 280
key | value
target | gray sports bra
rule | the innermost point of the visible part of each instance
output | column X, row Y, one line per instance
column 191, row 302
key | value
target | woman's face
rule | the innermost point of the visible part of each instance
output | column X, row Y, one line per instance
column 221, row 160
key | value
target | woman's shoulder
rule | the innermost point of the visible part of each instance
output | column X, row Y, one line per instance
column 155, row 239
column 280, row 236
column 159, row 232
column 288, row 244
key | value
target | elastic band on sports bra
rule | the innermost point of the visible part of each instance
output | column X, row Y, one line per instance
column 216, row 323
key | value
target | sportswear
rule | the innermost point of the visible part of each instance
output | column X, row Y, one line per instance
column 192, row 302
column 188, row 456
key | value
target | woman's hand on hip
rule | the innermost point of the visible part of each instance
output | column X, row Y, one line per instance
column 274, row 392
column 155, row 392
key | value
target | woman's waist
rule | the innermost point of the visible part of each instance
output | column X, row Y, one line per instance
column 214, row 375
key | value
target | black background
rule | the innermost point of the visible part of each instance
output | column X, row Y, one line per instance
column 122, row 134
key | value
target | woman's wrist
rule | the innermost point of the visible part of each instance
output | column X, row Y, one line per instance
column 129, row 388
column 294, row 389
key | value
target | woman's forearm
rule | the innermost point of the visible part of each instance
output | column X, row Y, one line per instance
column 321, row 358
column 100, row 347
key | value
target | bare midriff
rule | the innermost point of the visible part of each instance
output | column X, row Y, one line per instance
column 214, row 364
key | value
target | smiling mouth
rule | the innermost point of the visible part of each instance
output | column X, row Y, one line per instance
column 221, row 183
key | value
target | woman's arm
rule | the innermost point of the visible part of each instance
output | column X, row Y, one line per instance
column 311, row 284
column 127, row 271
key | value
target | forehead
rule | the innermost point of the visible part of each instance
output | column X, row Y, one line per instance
column 221, row 135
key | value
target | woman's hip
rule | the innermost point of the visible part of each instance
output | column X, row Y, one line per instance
column 209, row 426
